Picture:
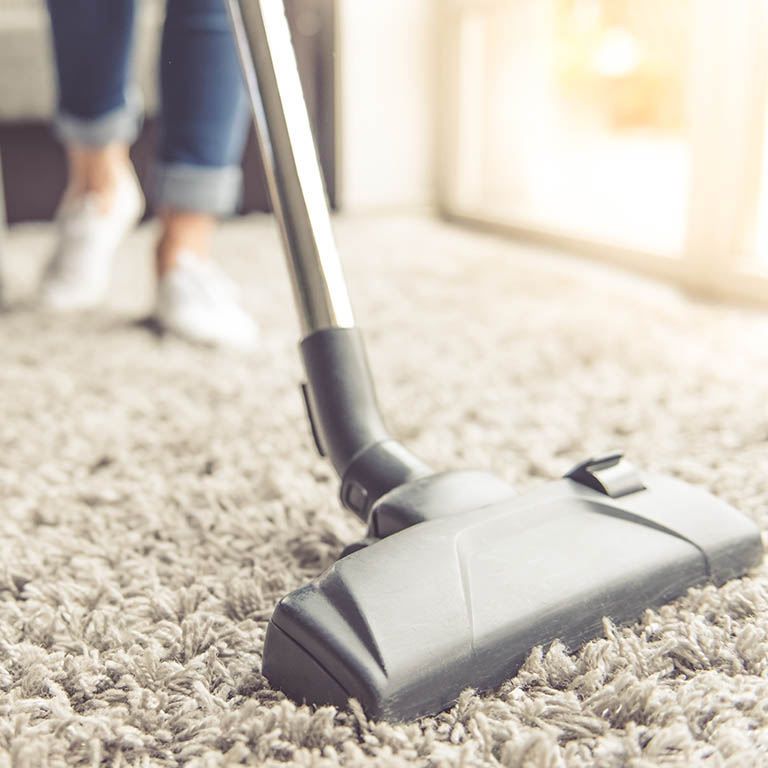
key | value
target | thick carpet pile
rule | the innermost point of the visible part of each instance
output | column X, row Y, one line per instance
column 156, row 499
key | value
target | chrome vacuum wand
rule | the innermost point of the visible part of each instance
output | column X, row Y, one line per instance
column 293, row 172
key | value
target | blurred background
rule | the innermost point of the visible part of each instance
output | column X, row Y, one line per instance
column 629, row 130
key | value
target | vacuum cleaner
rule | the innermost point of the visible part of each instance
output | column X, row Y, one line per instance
column 458, row 577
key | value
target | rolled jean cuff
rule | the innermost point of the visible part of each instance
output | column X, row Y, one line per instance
column 199, row 188
column 122, row 124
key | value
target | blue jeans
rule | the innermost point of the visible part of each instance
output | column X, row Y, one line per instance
column 204, row 111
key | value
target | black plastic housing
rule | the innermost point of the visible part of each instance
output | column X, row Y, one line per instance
column 346, row 420
column 404, row 625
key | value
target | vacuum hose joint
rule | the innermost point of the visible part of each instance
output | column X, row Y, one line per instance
column 347, row 423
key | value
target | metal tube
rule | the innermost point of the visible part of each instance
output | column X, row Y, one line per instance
column 290, row 160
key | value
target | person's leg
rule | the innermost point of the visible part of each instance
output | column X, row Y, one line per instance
column 205, row 124
column 198, row 179
column 98, row 114
column 98, row 117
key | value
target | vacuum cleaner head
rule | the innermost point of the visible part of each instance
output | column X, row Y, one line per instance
column 407, row 623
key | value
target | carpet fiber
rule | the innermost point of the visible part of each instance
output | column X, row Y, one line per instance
column 157, row 499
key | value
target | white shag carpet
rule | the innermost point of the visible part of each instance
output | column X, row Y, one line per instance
column 156, row 499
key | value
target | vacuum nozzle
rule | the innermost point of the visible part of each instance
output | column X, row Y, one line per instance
column 406, row 624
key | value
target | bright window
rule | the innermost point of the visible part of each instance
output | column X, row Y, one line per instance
column 631, row 127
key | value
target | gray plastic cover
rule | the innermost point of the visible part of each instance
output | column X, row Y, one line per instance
column 408, row 623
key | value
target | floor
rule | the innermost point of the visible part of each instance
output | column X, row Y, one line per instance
column 158, row 498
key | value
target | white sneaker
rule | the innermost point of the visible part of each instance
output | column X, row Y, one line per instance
column 77, row 276
column 196, row 300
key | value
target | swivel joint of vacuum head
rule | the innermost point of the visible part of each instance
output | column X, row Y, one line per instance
column 346, row 421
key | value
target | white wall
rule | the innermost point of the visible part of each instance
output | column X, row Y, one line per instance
column 386, row 104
